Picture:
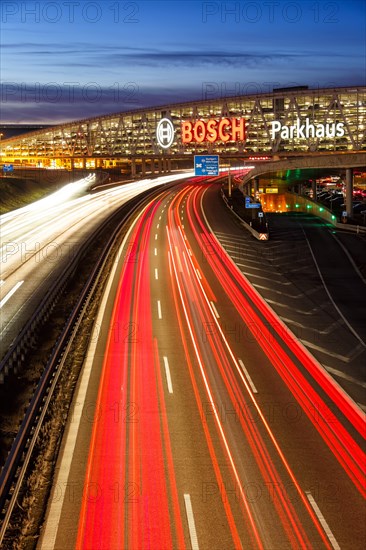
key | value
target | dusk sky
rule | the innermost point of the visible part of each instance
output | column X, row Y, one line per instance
column 75, row 59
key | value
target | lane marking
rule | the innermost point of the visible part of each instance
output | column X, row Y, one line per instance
column 159, row 310
column 349, row 257
column 191, row 523
column 199, row 274
column 2, row 282
column 341, row 374
column 324, row 524
column 327, row 330
column 156, row 236
column 354, row 332
column 282, row 293
column 155, row 251
column 344, row 358
column 167, row 374
column 266, row 278
column 10, row 293
column 302, row 311
column 157, row 227
column 247, row 375
column 215, row 310
column 156, row 273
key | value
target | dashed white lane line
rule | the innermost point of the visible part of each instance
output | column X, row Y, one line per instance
column 159, row 310
column 156, row 273
column 167, row 374
column 191, row 523
column 156, row 236
column 323, row 522
column 215, row 310
column 155, row 251
column 10, row 293
column 1, row 283
column 199, row 274
column 247, row 376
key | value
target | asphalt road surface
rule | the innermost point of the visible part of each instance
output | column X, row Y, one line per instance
column 200, row 421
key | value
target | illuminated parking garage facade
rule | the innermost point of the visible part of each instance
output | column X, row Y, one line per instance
column 288, row 122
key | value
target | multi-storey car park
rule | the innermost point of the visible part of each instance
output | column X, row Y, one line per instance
column 287, row 122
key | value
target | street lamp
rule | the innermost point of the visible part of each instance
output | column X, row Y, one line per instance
column 229, row 180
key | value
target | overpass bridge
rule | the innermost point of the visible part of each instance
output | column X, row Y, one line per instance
column 287, row 123
column 345, row 161
column 289, row 128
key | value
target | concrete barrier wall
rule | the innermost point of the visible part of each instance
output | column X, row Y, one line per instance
column 256, row 234
column 299, row 203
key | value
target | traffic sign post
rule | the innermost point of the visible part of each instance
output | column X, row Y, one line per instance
column 206, row 165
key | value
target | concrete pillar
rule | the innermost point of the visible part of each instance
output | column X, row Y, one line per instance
column 349, row 192
column 256, row 186
column 159, row 165
column 169, row 165
column 152, row 164
column 313, row 188
column 143, row 166
column 133, row 168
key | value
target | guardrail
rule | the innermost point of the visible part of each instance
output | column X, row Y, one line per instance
column 261, row 236
column 360, row 229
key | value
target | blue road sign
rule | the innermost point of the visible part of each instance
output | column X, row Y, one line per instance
column 8, row 168
column 249, row 204
column 206, row 165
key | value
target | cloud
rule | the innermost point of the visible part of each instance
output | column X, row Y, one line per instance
column 88, row 55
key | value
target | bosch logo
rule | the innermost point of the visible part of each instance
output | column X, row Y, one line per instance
column 165, row 133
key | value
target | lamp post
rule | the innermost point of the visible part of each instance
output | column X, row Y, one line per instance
column 1, row 152
column 229, row 180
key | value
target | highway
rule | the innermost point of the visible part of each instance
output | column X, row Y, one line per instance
column 199, row 420
column 39, row 240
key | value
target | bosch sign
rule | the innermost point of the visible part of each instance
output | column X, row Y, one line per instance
column 165, row 133
column 225, row 129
